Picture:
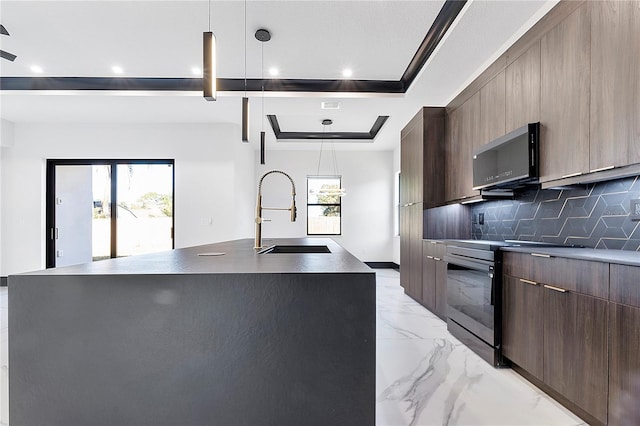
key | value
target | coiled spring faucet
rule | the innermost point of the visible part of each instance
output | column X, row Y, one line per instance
column 259, row 208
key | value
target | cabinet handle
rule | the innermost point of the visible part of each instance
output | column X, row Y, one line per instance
column 540, row 255
column 550, row 287
column 429, row 257
column 522, row 280
column 437, row 258
column 433, row 242
column 571, row 175
column 601, row 169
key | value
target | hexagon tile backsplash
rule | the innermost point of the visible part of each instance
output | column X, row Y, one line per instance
column 595, row 215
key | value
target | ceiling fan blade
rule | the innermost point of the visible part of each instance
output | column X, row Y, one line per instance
column 8, row 56
column 3, row 30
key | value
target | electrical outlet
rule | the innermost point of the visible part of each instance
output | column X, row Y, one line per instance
column 634, row 210
column 481, row 218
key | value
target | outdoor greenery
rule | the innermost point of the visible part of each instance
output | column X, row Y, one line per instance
column 161, row 201
column 330, row 199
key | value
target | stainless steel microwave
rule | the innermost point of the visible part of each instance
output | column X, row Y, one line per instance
column 509, row 161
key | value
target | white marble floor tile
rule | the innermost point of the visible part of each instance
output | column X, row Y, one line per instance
column 424, row 376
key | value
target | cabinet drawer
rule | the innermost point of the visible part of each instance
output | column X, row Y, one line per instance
column 580, row 276
column 625, row 285
column 433, row 248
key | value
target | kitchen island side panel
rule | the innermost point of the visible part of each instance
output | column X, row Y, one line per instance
column 241, row 349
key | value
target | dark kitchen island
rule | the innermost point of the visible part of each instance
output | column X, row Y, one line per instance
column 176, row 338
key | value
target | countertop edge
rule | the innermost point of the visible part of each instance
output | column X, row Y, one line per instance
column 620, row 257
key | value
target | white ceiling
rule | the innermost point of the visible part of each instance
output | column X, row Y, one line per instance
column 310, row 40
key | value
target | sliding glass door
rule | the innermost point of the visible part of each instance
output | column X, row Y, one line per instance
column 100, row 209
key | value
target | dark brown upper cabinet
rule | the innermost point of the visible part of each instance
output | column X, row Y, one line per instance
column 564, row 97
column 422, row 159
column 615, row 84
column 522, row 84
column 492, row 110
column 463, row 130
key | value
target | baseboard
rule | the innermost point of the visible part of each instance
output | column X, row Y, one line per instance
column 3, row 281
column 382, row 265
column 557, row 396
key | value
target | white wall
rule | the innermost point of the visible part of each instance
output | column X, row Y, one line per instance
column 367, row 209
column 213, row 180
column 6, row 141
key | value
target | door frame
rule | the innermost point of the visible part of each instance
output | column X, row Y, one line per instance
column 50, row 198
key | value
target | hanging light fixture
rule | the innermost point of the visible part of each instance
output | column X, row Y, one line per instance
column 209, row 76
column 262, row 36
column 339, row 191
column 245, row 99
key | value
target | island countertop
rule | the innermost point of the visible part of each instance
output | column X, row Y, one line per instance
column 239, row 257
column 175, row 338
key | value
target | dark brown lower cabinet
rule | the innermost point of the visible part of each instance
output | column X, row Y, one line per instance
column 411, row 250
column 624, row 364
column 416, row 250
column 405, row 248
column 434, row 278
column 575, row 349
column 522, row 318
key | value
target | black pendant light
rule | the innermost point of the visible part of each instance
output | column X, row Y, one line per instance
column 209, row 65
column 263, row 36
column 245, row 99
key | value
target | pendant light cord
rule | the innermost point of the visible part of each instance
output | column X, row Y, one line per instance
column 262, row 77
column 209, row 15
column 245, row 48
column 335, row 159
column 321, row 145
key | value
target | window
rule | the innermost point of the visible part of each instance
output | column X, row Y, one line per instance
column 324, row 209
column 100, row 209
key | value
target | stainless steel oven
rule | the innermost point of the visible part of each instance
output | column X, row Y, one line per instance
column 474, row 296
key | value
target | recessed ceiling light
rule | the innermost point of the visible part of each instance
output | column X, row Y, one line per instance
column 273, row 71
column 330, row 105
column 347, row 73
column 37, row 69
column 117, row 69
column 196, row 71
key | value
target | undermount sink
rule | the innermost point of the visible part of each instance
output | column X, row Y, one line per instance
column 294, row 249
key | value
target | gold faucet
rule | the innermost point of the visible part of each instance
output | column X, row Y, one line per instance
column 259, row 208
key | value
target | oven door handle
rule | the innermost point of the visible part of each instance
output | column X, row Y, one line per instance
column 479, row 266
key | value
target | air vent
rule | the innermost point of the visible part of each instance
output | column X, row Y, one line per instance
column 331, row 105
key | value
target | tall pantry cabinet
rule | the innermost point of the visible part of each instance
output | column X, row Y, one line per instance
column 421, row 187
